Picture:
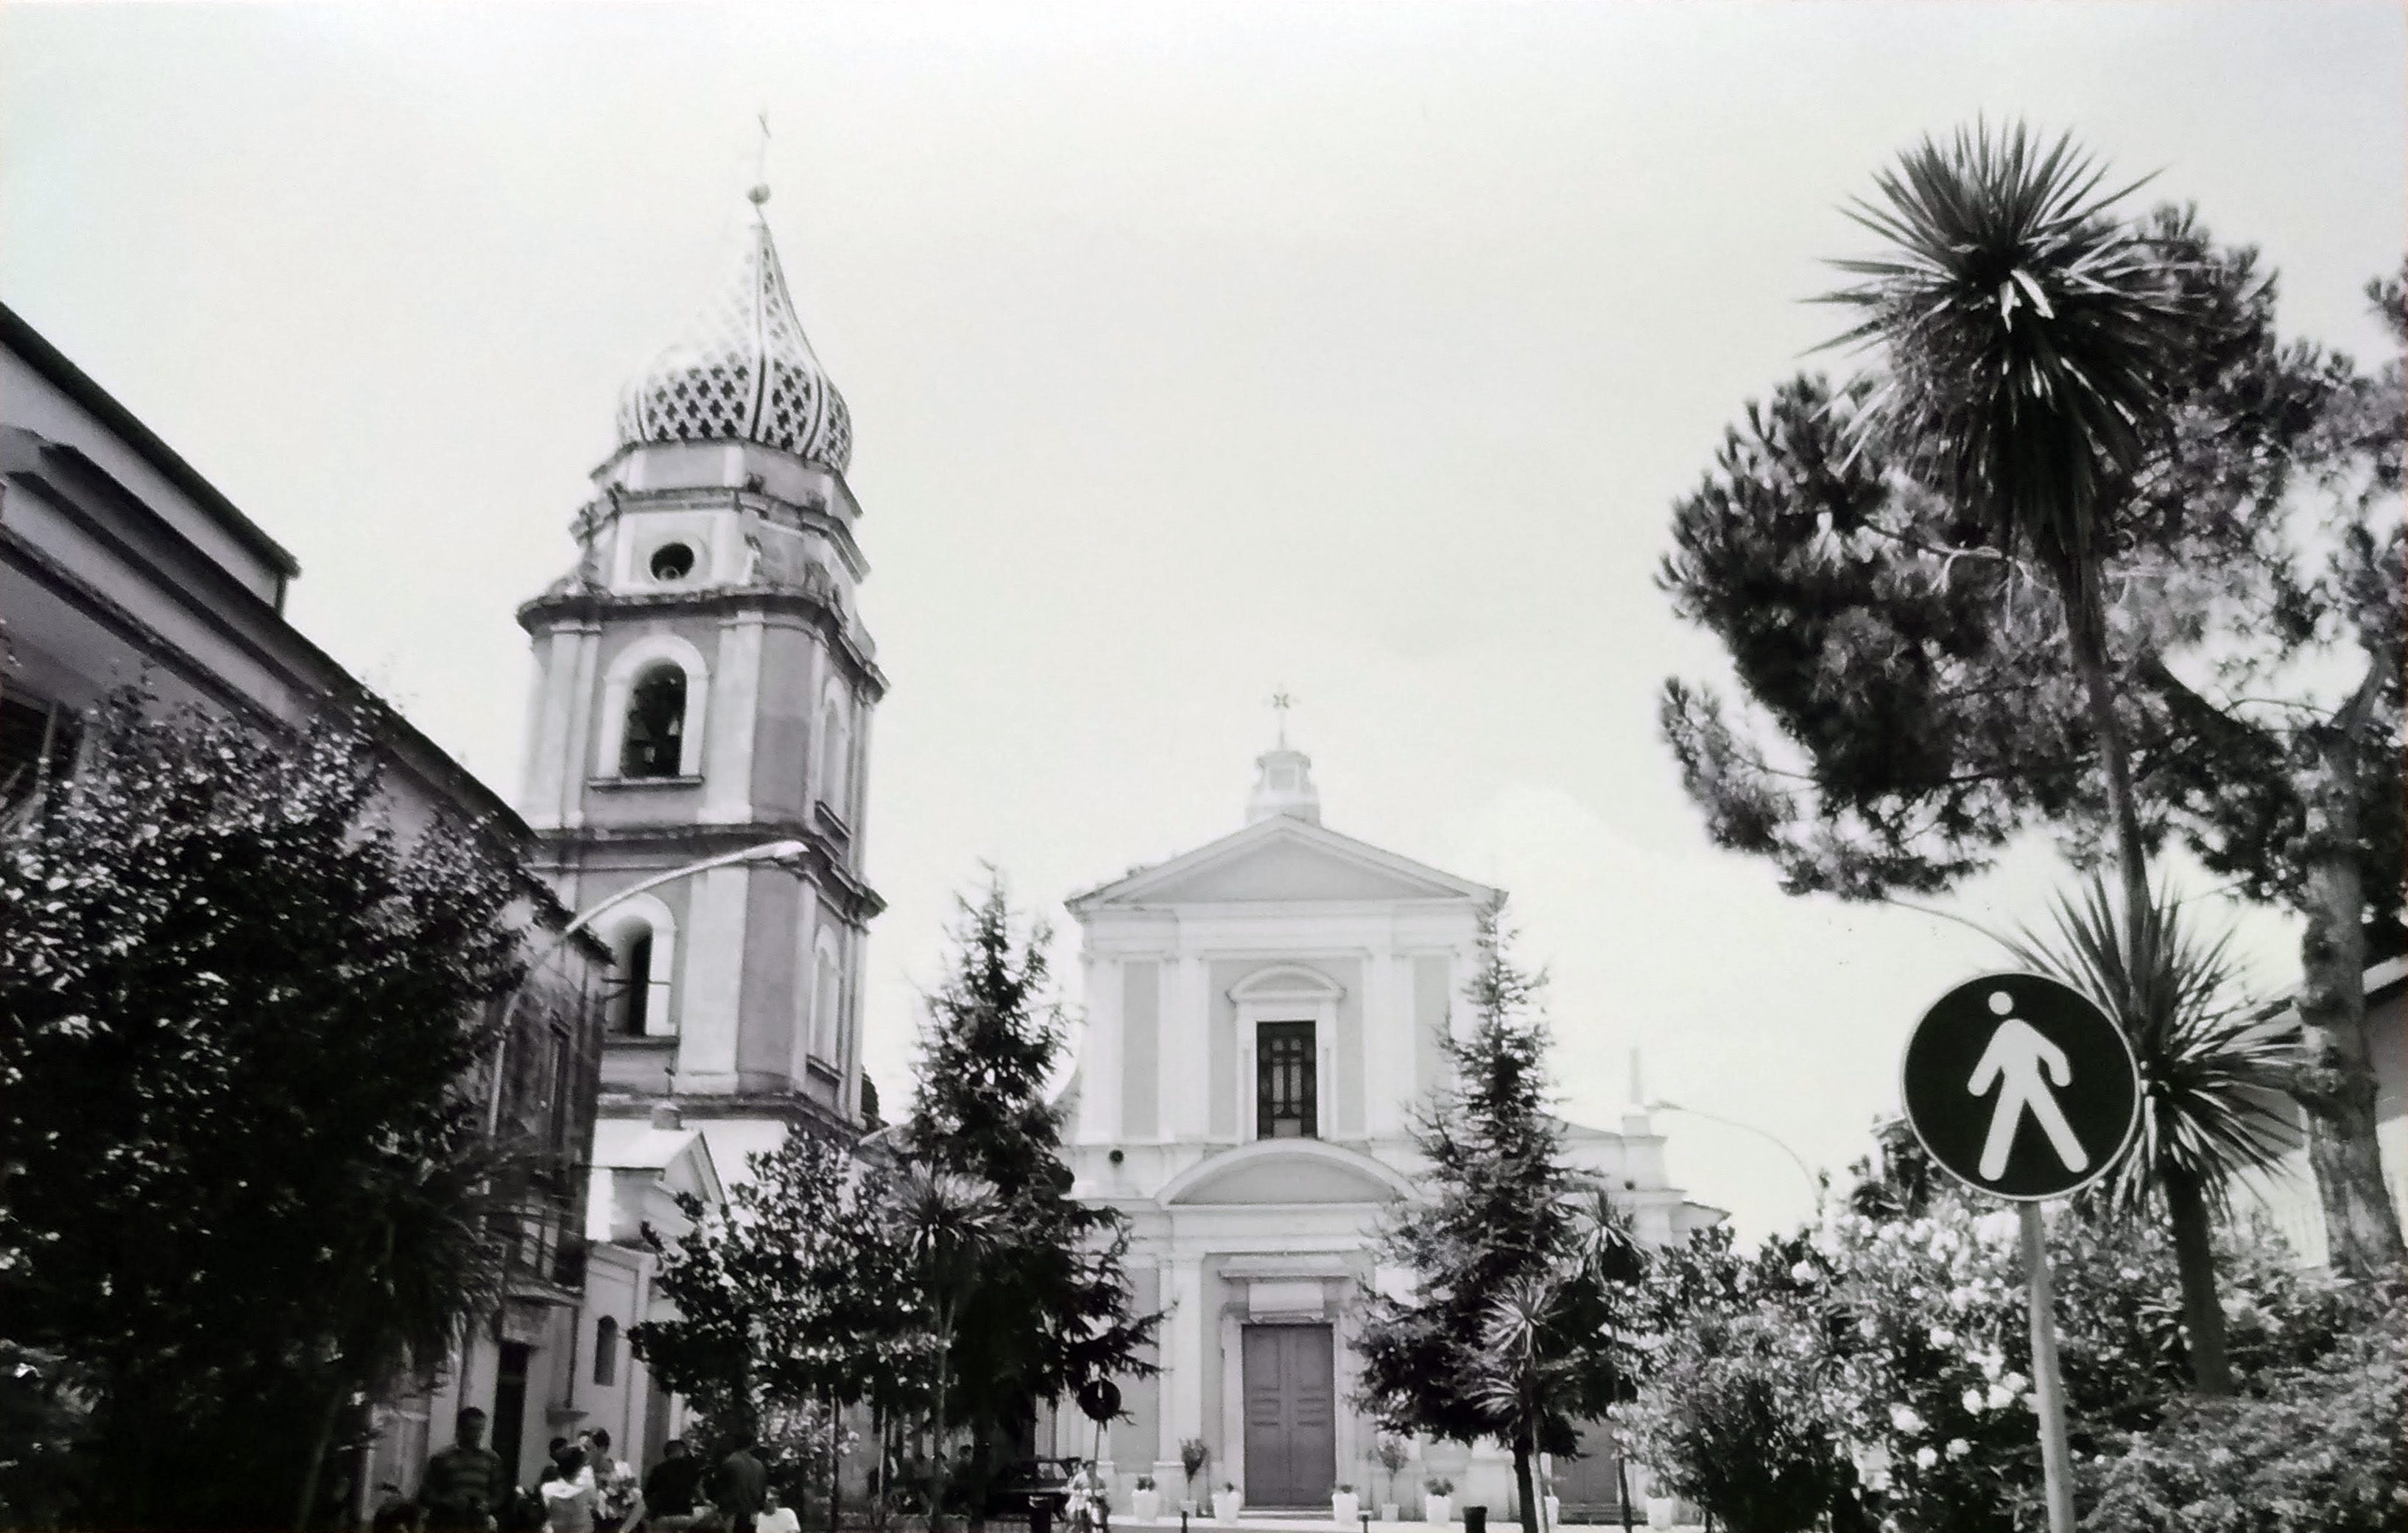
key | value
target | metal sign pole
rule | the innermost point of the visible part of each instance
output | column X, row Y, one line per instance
column 2057, row 1471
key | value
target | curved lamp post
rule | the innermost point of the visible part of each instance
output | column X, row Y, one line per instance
column 1661, row 1105
column 768, row 852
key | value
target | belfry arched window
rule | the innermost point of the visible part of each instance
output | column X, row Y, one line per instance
column 834, row 747
column 655, row 731
column 642, row 938
column 640, row 999
column 827, row 999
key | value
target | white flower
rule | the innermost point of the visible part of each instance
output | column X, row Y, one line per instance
column 2000, row 1397
column 1924, row 1457
column 1973, row 1401
column 1802, row 1273
column 1959, row 1447
column 1943, row 1337
column 1905, row 1420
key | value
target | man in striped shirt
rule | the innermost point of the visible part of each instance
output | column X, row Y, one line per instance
column 464, row 1487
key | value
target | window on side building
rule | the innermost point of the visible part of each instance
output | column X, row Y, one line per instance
column 37, row 743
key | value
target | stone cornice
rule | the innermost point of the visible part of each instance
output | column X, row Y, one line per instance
column 590, row 606
column 586, row 845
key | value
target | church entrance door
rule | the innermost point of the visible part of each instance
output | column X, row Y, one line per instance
column 1291, row 1416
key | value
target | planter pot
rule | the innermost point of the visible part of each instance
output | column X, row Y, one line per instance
column 1438, row 1508
column 1225, row 1504
column 1387, row 1511
column 1661, row 1510
column 1145, row 1505
column 1345, row 1507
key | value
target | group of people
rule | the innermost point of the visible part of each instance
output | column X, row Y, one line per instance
column 585, row 1489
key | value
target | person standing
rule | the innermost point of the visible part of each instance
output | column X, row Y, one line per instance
column 568, row 1494
column 776, row 1517
column 675, row 1484
column 613, row 1478
column 465, row 1484
column 739, row 1484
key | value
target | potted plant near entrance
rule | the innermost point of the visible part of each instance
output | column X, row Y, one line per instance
column 1145, row 1501
column 1438, row 1500
column 1345, row 1506
column 1225, row 1502
column 1193, row 1455
column 1391, row 1454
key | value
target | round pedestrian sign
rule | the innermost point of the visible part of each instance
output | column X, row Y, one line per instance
column 2020, row 1087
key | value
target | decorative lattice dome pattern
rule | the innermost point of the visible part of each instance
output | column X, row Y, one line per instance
column 745, row 373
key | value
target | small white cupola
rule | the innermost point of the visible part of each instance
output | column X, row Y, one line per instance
column 1283, row 779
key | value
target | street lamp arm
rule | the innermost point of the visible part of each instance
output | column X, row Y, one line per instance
column 1659, row 1105
column 777, row 851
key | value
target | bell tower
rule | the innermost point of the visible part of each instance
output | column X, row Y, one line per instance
column 704, row 684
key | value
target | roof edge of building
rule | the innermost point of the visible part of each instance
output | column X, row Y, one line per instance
column 20, row 335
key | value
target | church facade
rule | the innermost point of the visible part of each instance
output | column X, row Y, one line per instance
column 705, row 685
column 1264, row 1015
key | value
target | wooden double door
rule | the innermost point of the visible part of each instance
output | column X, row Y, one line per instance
column 1291, row 1416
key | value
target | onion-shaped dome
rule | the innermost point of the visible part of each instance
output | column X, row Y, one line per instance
column 745, row 373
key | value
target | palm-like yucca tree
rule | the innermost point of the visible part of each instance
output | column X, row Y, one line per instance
column 2029, row 335
column 1520, row 1373
column 1551, row 1341
column 421, row 1254
column 946, row 1225
column 2212, row 1078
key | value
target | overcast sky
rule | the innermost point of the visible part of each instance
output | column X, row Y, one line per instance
column 1193, row 351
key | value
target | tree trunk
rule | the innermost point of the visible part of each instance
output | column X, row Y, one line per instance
column 836, row 1470
column 308, row 1500
column 2336, row 1081
column 1523, row 1483
column 2195, row 1258
column 2087, row 628
column 940, row 1466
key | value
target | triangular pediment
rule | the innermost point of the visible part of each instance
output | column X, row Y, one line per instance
column 1283, row 860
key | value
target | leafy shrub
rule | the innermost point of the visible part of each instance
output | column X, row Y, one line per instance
column 1735, row 1421
column 2311, row 1448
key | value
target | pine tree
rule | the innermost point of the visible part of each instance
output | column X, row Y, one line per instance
column 1051, row 1309
column 1507, row 1330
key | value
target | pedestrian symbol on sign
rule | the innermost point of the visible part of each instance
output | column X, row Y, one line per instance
column 2019, row 1086
column 2014, row 1062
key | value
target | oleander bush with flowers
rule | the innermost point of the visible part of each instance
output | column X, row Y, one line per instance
column 1892, row 1339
